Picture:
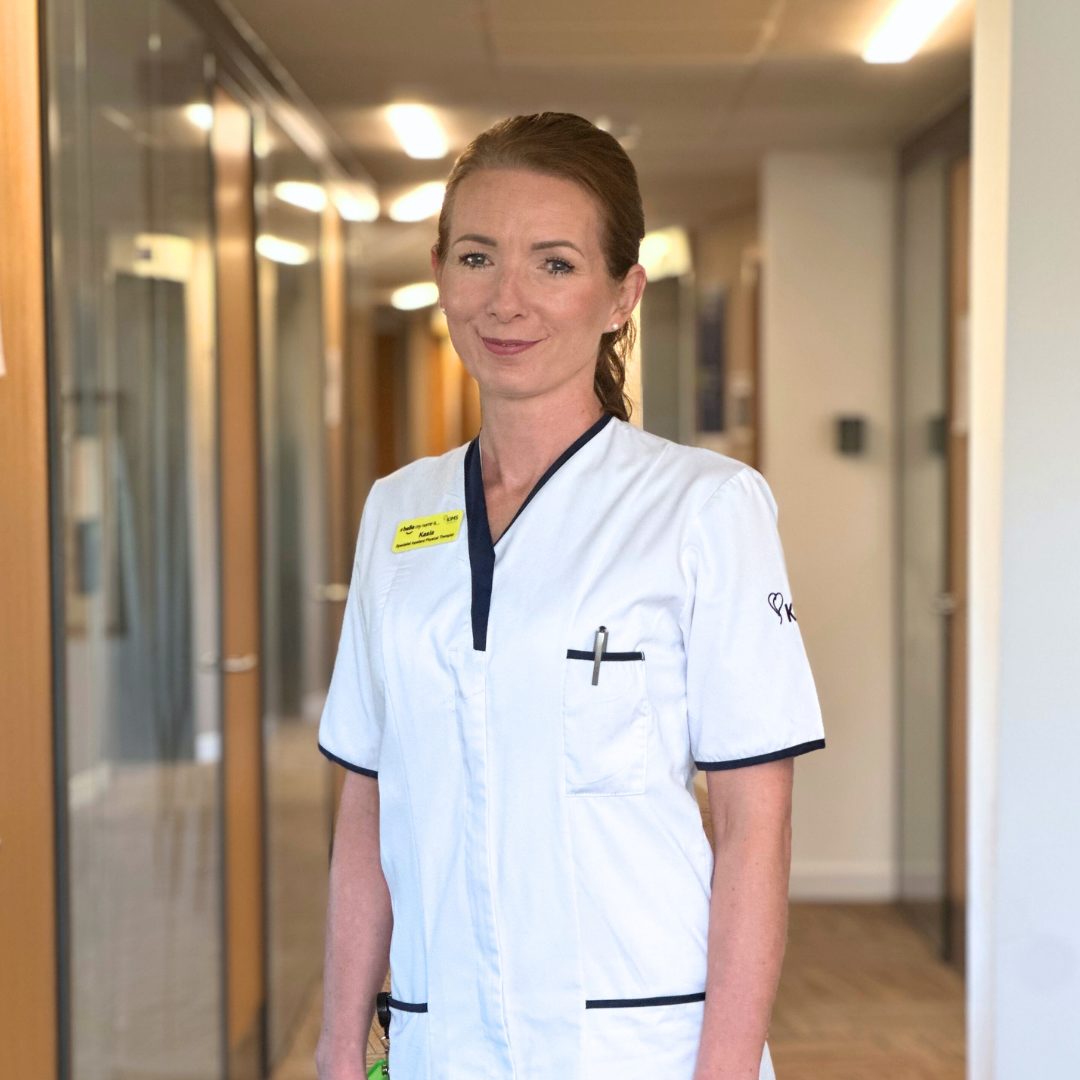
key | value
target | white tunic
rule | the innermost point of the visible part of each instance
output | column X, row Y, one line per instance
column 543, row 848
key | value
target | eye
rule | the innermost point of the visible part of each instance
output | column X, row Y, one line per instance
column 473, row 259
column 558, row 267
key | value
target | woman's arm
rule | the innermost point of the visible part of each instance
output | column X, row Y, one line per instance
column 751, row 815
column 358, row 922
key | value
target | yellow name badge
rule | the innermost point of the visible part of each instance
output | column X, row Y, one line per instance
column 427, row 531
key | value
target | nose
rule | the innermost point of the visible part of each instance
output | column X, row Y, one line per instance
column 507, row 300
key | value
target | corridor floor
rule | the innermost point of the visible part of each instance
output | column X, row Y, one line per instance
column 862, row 997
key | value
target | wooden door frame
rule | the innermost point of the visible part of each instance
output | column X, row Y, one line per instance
column 241, row 600
column 29, row 1013
column 336, row 399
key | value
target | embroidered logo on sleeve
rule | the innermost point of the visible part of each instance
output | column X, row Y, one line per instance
column 776, row 602
column 428, row 531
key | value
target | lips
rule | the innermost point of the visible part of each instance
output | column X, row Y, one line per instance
column 507, row 346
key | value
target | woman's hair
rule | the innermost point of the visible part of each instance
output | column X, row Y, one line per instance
column 568, row 146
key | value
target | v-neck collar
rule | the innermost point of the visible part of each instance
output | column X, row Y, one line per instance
column 481, row 546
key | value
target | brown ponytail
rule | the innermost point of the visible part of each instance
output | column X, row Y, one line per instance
column 610, row 379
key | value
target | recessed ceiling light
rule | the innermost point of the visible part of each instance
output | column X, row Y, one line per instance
column 301, row 193
column 278, row 250
column 356, row 203
column 412, row 297
column 419, row 204
column 200, row 114
column 418, row 130
column 906, row 29
column 629, row 136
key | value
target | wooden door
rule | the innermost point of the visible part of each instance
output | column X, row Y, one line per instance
column 28, row 986
column 240, row 560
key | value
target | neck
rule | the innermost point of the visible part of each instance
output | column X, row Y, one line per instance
column 520, row 438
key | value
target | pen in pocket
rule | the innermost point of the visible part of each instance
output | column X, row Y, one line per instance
column 599, row 645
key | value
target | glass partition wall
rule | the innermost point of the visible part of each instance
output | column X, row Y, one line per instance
column 924, row 495
column 143, row 799
column 296, row 650
column 133, row 384
column 932, row 412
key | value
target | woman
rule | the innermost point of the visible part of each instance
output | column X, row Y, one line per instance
column 546, row 630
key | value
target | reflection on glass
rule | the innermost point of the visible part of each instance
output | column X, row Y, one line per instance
column 924, row 494
column 133, row 375
column 295, row 647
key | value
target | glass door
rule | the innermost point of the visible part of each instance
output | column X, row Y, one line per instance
column 133, row 376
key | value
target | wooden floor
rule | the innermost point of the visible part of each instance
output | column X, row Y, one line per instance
column 862, row 998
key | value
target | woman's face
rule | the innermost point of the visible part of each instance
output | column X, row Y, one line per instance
column 525, row 287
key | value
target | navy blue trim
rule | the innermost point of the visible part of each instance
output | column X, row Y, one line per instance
column 642, row 1003
column 585, row 654
column 347, row 764
column 776, row 755
column 481, row 549
column 481, row 546
column 558, row 463
column 407, row 1006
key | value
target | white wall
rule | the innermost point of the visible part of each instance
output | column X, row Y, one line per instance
column 1024, row 934
column 989, row 211
column 828, row 230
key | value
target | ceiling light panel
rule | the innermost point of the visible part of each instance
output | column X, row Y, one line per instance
column 421, row 203
column 301, row 193
column 422, row 294
column 418, row 130
column 200, row 114
column 357, row 203
column 906, row 29
column 279, row 250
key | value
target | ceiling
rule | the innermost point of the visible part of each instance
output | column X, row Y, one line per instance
column 699, row 89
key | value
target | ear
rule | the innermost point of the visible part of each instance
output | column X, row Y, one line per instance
column 630, row 290
column 435, row 267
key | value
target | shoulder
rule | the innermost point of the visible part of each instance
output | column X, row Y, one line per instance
column 426, row 478
column 422, row 487
column 691, row 476
column 710, row 502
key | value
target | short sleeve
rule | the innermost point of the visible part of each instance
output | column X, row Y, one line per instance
column 750, row 693
column 350, row 731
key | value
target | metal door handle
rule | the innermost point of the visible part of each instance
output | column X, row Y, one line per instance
column 233, row 665
column 944, row 604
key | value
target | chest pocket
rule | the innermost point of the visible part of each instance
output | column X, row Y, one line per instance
column 606, row 725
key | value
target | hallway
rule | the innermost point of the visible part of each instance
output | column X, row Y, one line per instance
column 220, row 331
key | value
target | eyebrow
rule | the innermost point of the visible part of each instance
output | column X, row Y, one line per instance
column 543, row 245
